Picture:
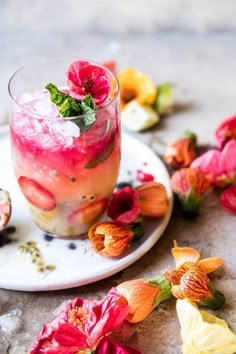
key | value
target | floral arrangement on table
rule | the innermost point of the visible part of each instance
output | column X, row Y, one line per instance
column 87, row 326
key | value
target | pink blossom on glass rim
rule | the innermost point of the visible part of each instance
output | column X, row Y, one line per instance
column 124, row 207
column 228, row 199
column 81, row 325
column 225, row 131
column 84, row 78
column 209, row 164
column 109, row 346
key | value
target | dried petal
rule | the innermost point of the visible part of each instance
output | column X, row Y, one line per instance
column 225, row 131
column 228, row 199
column 109, row 239
column 153, row 199
column 184, row 254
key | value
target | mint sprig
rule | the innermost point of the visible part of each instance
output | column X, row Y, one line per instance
column 71, row 107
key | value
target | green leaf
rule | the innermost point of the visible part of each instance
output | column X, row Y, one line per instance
column 56, row 96
column 103, row 155
column 88, row 101
column 71, row 107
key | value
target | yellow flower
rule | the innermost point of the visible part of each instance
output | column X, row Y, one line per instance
column 202, row 332
column 134, row 85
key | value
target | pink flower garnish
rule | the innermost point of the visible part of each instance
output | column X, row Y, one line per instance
column 228, row 199
column 84, row 78
column 225, row 131
column 81, row 325
column 109, row 346
column 124, row 206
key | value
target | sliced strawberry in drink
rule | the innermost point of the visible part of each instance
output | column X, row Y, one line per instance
column 5, row 208
column 36, row 194
column 89, row 213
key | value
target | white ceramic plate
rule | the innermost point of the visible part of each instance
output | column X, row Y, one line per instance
column 81, row 265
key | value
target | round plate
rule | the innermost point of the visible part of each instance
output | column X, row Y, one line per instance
column 81, row 265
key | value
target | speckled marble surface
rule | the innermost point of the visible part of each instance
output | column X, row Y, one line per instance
column 203, row 69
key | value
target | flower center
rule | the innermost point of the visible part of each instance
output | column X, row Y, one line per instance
column 128, row 94
column 87, row 84
column 77, row 316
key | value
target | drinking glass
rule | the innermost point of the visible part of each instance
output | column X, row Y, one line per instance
column 66, row 176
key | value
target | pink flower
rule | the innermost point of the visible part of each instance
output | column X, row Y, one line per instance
column 225, row 131
column 84, row 78
column 228, row 199
column 124, row 207
column 209, row 164
column 218, row 166
column 109, row 346
column 81, row 325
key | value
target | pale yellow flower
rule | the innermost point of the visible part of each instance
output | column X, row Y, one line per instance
column 202, row 332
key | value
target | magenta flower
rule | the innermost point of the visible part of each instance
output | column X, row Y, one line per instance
column 124, row 207
column 228, row 199
column 84, row 78
column 81, row 325
column 109, row 346
column 225, row 131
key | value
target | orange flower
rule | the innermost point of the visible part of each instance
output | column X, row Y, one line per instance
column 109, row 239
column 190, row 281
column 144, row 295
column 181, row 152
column 153, row 199
column 190, row 185
column 134, row 85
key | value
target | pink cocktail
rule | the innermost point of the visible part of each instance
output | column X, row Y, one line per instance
column 66, row 167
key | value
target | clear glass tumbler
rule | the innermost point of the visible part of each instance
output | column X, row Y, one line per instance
column 67, row 175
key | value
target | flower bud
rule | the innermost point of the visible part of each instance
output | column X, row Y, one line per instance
column 181, row 152
column 153, row 199
column 190, row 185
column 144, row 295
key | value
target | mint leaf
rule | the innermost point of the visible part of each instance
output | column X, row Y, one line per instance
column 56, row 96
column 71, row 107
column 102, row 155
column 88, row 100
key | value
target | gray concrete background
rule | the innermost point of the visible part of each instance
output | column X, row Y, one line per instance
column 189, row 43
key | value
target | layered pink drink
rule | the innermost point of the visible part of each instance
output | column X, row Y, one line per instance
column 67, row 167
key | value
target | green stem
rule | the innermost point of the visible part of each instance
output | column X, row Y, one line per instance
column 164, row 287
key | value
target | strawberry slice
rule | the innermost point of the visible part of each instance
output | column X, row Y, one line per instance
column 37, row 194
column 110, row 65
column 89, row 213
column 5, row 208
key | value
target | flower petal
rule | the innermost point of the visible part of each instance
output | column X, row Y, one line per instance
column 225, row 131
column 110, row 346
column 228, row 199
column 202, row 332
column 209, row 164
column 228, row 158
column 210, row 264
column 184, row 254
